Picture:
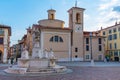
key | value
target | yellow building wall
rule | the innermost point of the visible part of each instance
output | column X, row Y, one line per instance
column 2, row 49
column 107, row 42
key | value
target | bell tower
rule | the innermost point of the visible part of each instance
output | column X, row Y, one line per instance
column 51, row 14
column 76, row 24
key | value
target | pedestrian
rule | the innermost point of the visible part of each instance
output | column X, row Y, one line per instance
column 12, row 60
column 9, row 61
column 105, row 59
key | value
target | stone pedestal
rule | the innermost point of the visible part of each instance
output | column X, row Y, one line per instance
column 36, row 64
column 36, row 52
column 23, row 63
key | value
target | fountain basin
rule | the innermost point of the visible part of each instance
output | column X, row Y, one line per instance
column 16, row 70
column 40, row 62
column 42, row 65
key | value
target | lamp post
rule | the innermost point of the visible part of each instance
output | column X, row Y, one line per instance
column 92, row 61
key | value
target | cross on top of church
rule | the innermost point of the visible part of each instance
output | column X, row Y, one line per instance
column 76, row 3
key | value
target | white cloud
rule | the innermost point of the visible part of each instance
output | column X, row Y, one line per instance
column 108, row 4
column 86, row 17
column 107, row 17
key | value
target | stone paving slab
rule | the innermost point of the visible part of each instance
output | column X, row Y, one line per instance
column 79, row 73
column 96, row 64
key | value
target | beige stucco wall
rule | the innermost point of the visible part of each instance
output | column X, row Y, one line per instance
column 77, row 43
column 60, row 49
column 95, row 49
column 52, row 23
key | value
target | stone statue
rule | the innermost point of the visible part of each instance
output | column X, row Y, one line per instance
column 45, row 54
column 37, row 40
column 51, row 54
column 37, row 44
column 25, row 54
column 37, row 36
column 37, row 52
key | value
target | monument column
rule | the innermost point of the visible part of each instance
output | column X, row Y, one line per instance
column 42, row 41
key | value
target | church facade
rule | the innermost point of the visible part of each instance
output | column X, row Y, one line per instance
column 68, row 43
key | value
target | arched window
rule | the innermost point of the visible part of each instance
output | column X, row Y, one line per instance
column 56, row 39
column 61, row 40
column 51, row 39
column 78, row 18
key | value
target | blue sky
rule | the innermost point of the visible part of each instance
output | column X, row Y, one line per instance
column 20, row 14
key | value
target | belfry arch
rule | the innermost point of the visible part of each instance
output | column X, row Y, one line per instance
column 78, row 18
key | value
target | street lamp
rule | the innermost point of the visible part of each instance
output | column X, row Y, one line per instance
column 92, row 61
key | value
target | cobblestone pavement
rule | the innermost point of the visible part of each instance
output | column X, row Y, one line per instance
column 79, row 73
column 96, row 64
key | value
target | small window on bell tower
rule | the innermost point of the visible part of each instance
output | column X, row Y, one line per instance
column 78, row 18
column 52, row 16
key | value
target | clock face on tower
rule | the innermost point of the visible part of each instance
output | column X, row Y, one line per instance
column 78, row 28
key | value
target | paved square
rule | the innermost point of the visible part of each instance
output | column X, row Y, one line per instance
column 80, row 72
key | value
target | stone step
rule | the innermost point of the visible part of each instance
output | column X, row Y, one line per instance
column 41, row 70
column 34, row 72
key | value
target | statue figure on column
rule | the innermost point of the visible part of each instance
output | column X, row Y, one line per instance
column 36, row 52
column 51, row 54
column 37, row 40
column 45, row 54
column 25, row 54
